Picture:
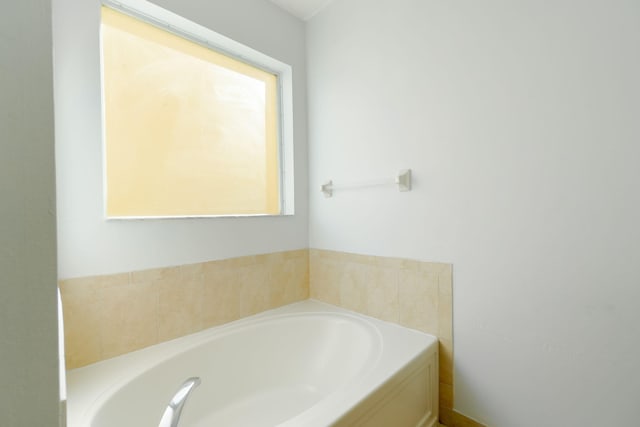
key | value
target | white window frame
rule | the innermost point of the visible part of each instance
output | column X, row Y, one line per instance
column 183, row 27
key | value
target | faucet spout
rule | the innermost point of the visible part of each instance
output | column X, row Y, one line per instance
column 171, row 416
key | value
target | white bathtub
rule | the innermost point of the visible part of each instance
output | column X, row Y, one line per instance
column 308, row 364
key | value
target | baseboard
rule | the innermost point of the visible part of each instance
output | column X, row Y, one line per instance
column 451, row 418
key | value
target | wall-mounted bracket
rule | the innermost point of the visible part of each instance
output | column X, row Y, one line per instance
column 404, row 180
column 327, row 189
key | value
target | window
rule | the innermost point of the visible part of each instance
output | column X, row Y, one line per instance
column 189, row 130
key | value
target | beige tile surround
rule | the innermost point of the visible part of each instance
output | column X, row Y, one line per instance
column 106, row 316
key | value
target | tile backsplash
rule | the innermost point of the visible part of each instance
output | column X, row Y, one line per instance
column 105, row 316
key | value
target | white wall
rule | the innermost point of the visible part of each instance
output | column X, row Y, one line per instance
column 521, row 123
column 89, row 245
column 28, row 316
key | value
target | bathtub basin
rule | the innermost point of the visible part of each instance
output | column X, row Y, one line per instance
column 308, row 364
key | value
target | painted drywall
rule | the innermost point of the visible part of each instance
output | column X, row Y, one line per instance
column 28, row 317
column 520, row 122
column 90, row 245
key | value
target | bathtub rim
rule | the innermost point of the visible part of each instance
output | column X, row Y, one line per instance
column 204, row 337
column 86, row 396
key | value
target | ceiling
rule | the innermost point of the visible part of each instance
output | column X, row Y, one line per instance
column 303, row 9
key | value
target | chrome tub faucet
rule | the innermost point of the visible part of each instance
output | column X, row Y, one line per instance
column 171, row 416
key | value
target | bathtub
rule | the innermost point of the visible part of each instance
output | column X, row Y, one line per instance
column 307, row 364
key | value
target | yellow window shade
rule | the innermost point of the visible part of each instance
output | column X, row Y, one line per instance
column 188, row 131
